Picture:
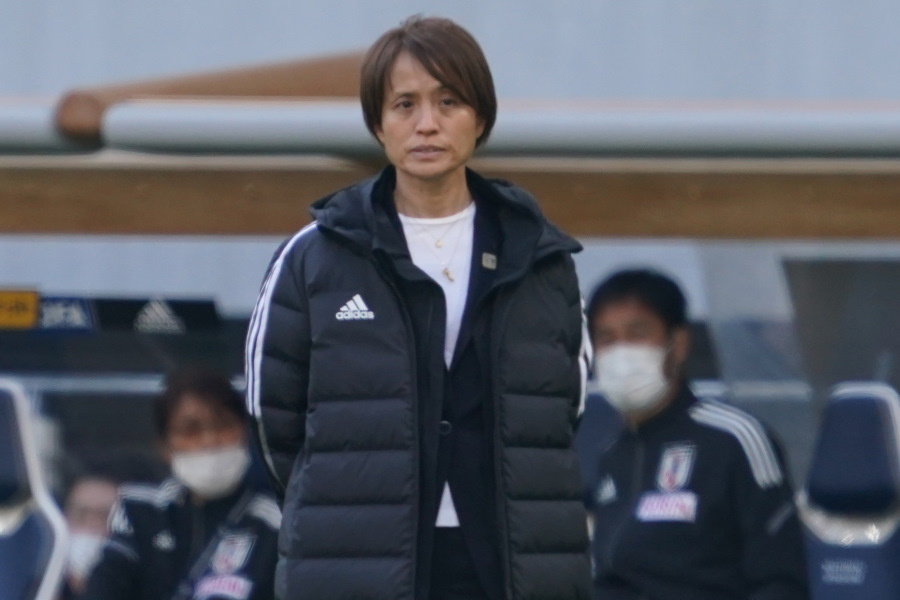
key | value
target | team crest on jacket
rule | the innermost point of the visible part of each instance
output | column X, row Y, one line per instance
column 232, row 552
column 675, row 467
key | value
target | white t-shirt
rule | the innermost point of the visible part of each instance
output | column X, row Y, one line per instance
column 442, row 247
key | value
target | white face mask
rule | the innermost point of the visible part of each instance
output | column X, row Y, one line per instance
column 212, row 473
column 84, row 552
column 631, row 376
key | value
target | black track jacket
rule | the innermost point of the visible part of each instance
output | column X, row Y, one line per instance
column 224, row 549
column 694, row 505
column 348, row 394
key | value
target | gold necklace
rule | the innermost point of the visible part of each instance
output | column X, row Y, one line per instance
column 422, row 230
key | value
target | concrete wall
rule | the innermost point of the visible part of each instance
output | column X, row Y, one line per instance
column 648, row 49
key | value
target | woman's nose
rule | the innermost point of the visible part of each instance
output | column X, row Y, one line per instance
column 426, row 118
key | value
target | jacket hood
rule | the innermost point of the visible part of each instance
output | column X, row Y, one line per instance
column 351, row 213
column 551, row 238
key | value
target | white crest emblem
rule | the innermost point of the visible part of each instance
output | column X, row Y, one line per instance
column 232, row 552
column 675, row 467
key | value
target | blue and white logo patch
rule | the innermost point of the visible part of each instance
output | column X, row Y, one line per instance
column 675, row 466
column 232, row 552
column 667, row 506
column 223, row 586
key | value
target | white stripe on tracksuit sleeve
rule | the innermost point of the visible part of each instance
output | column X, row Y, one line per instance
column 256, row 333
column 585, row 358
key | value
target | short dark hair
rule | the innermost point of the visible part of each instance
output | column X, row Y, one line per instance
column 656, row 291
column 447, row 51
column 207, row 384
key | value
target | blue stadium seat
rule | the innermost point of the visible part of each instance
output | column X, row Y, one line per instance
column 850, row 505
column 32, row 530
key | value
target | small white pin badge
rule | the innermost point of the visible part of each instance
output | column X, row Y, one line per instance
column 489, row 261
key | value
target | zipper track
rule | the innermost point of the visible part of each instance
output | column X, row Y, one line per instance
column 635, row 488
column 384, row 272
column 500, row 497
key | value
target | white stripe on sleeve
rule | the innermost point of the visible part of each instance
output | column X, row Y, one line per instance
column 586, row 357
column 256, row 333
column 749, row 433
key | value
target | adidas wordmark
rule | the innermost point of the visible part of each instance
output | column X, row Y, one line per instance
column 354, row 310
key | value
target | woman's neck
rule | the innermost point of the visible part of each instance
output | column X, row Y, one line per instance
column 418, row 198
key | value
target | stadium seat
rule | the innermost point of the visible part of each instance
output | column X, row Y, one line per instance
column 850, row 506
column 32, row 530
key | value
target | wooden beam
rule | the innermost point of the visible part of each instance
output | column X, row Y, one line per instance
column 706, row 199
column 247, row 198
column 762, row 199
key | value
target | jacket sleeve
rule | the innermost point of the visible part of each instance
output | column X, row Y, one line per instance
column 117, row 575
column 773, row 558
column 277, row 362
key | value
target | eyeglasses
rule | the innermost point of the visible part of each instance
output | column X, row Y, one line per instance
column 190, row 428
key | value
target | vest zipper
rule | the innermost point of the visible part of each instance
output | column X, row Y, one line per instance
column 500, row 485
column 198, row 530
column 384, row 272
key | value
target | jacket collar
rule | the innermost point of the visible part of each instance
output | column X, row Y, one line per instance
column 361, row 215
column 674, row 411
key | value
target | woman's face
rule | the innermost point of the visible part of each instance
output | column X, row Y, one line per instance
column 195, row 425
column 427, row 131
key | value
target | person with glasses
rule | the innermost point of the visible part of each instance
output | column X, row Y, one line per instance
column 209, row 531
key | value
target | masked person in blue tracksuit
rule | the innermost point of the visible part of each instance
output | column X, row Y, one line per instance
column 210, row 531
column 689, row 497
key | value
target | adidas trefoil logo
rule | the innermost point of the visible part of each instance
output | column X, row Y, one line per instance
column 354, row 310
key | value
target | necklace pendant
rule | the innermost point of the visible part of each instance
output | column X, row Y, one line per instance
column 438, row 244
column 446, row 273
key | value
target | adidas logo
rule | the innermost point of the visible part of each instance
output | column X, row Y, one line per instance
column 354, row 310
column 157, row 317
column 606, row 491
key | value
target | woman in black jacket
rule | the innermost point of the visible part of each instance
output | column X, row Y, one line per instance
column 416, row 362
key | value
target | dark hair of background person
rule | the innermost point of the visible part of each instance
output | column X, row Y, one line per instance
column 447, row 51
column 208, row 385
column 656, row 291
